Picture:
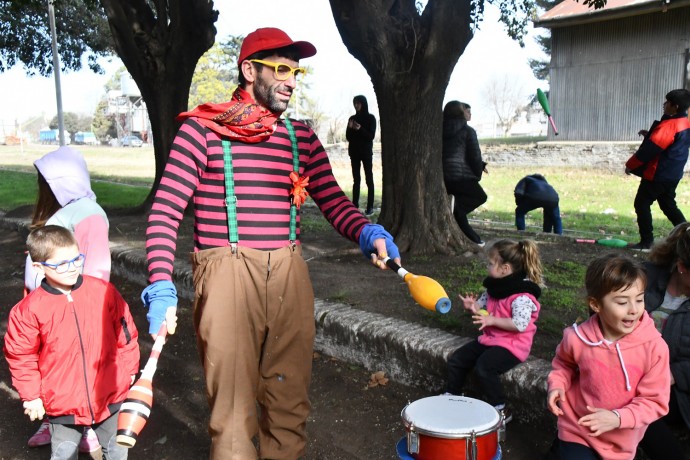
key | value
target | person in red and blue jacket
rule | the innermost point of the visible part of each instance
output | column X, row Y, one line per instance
column 659, row 162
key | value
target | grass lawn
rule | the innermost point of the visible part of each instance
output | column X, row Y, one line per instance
column 594, row 203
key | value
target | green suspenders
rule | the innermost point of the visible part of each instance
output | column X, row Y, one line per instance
column 231, row 198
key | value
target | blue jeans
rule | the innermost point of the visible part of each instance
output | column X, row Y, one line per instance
column 552, row 215
column 64, row 440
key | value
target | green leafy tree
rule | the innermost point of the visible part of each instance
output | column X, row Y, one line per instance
column 159, row 43
column 104, row 126
column 73, row 123
column 410, row 49
column 213, row 80
column 540, row 67
column 81, row 29
column 310, row 110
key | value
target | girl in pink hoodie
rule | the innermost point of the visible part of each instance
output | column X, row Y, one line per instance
column 610, row 378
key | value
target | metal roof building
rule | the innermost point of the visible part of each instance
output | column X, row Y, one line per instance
column 611, row 68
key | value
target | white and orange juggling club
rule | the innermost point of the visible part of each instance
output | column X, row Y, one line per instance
column 426, row 291
column 135, row 410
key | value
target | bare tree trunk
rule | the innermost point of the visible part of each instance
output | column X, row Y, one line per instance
column 410, row 58
column 160, row 49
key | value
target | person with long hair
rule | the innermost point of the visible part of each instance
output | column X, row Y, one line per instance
column 462, row 165
column 65, row 198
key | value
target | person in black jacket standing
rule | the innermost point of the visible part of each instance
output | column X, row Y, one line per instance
column 361, row 129
column 462, row 165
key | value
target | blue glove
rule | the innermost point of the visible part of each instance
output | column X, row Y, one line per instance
column 373, row 232
column 157, row 297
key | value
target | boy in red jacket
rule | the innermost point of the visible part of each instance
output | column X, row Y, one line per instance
column 72, row 347
column 659, row 162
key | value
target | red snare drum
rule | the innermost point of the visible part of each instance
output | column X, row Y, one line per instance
column 452, row 428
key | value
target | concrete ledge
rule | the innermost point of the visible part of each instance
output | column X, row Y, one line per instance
column 416, row 355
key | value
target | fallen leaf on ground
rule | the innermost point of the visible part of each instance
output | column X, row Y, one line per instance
column 377, row 378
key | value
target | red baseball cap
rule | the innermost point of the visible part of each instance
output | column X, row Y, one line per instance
column 270, row 38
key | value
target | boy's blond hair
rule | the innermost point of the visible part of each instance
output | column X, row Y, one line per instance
column 44, row 241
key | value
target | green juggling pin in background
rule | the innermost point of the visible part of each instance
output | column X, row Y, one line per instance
column 610, row 242
column 545, row 105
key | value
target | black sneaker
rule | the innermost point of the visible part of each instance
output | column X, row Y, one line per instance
column 641, row 246
column 369, row 212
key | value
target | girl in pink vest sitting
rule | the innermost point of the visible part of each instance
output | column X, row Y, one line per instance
column 506, row 314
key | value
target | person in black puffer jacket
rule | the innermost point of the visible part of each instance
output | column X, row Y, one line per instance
column 462, row 165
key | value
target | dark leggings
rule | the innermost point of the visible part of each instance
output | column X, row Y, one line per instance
column 469, row 195
column 664, row 193
column 366, row 163
column 488, row 363
column 659, row 441
column 575, row 451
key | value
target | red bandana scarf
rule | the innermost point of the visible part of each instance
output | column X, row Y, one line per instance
column 241, row 118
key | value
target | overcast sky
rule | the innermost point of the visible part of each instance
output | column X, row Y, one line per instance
column 337, row 75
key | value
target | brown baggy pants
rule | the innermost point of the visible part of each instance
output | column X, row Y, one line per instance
column 254, row 319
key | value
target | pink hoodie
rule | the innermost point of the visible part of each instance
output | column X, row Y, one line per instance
column 631, row 375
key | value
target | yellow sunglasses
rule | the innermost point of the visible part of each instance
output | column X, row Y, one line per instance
column 282, row 71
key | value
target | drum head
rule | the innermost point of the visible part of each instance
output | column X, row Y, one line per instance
column 450, row 416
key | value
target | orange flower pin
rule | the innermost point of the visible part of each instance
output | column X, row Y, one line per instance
column 299, row 189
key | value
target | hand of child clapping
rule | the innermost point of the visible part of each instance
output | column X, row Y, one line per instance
column 483, row 319
column 469, row 302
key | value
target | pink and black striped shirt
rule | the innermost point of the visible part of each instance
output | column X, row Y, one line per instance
column 262, row 185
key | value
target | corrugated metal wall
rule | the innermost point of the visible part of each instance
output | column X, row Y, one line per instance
column 608, row 79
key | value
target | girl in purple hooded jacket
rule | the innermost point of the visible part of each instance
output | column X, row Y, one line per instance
column 65, row 198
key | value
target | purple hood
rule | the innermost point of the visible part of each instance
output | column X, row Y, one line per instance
column 65, row 171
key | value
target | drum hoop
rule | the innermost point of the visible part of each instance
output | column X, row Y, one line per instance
column 444, row 435
column 410, row 424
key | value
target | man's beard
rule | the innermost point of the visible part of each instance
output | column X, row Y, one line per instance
column 266, row 96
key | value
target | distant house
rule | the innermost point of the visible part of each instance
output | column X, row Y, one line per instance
column 610, row 68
